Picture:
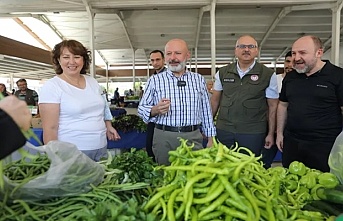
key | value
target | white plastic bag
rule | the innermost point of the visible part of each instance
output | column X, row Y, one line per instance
column 336, row 158
column 71, row 172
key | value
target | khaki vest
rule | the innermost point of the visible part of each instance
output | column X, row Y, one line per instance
column 243, row 105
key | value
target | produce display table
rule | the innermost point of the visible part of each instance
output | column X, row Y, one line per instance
column 116, row 112
column 128, row 140
column 39, row 134
column 131, row 102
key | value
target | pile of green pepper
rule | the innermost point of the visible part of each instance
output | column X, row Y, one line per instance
column 299, row 183
column 219, row 183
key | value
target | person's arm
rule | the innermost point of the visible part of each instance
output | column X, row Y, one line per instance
column 35, row 97
column 107, row 112
column 147, row 108
column 215, row 101
column 217, row 91
column 272, row 95
column 146, row 103
column 11, row 138
column 162, row 107
column 111, row 132
column 272, row 108
column 209, row 130
column 50, row 114
column 281, row 122
column 14, row 116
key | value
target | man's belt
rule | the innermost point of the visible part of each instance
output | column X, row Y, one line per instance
column 177, row 129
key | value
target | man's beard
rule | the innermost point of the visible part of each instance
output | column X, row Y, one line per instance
column 307, row 67
column 180, row 67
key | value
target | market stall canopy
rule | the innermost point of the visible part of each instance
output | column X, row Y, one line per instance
column 121, row 27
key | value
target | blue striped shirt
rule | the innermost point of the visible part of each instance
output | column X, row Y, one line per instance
column 189, row 104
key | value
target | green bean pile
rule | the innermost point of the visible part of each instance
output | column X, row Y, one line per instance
column 220, row 184
column 19, row 171
column 66, row 208
column 22, row 171
column 27, row 134
column 86, row 206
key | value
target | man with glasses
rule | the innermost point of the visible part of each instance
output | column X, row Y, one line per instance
column 245, row 95
column 26, row 94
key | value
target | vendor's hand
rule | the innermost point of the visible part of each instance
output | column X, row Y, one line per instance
column 17, row 110
column 112, row 134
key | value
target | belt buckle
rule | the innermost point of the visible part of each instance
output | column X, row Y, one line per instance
column 179, row 129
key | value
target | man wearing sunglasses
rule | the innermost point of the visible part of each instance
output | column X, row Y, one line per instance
column 245, row 95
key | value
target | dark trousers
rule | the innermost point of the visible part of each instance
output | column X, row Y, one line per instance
column 268, row 156
column 116, row 101
column 313, row 154
column 254, row 142
column 149, row 139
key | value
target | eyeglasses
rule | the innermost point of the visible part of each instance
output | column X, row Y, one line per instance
column 241, row 46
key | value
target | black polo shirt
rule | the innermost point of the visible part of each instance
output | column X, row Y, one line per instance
column 314, row 103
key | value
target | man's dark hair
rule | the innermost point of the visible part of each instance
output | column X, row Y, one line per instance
column 288, row 54
column 21, row 80
column 157, row 51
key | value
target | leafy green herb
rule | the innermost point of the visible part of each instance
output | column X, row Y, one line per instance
column 138, row 166
column 128, row 123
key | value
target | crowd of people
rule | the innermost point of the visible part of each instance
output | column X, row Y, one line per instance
column 298, row 112
column 252, row 105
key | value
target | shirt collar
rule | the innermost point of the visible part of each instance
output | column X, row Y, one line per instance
column 171, row 73
column 163, row 69
column 242, row 73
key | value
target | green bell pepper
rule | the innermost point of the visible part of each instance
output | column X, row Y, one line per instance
column 292, row 177
column 328, row 180
column 281, row 172
column 291, row 184
column 297, row 168
column 304, row 197
column 303, row 189
column 315, row 172
column 314, row 191
column 308, row 180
